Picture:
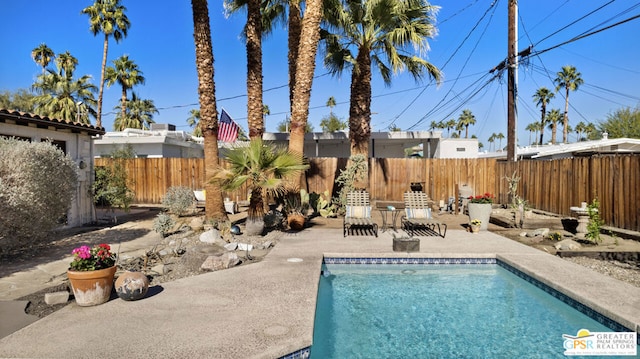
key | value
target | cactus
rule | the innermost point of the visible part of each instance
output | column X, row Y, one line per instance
column 324, row 207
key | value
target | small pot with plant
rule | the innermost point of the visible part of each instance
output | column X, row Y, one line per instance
column 475, row 225
column 480, row 208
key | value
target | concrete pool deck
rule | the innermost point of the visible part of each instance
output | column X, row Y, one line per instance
column 266, row 309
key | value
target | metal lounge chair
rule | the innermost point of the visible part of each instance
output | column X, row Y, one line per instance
column 358, row 213
column 418, row 215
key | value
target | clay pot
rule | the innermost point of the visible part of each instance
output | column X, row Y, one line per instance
column 296, row 221
column 132, row 285
column 92, row 287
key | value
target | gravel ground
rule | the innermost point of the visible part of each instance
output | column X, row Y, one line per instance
column 626, row 272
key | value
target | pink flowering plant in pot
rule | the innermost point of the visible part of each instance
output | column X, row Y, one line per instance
column 86, row 258
column 485, row 198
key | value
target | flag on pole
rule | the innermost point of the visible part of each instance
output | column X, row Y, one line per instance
column 227, row 128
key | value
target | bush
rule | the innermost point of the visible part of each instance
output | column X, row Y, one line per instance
column 163, row 224
column 178, row 200
column 111, row 186
column 37, row 184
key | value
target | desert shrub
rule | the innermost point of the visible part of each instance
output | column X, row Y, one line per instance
column 163, row 223
column 37, row 184
column 178, row 200
column 595, row 222
column 111, row 185
column 356, row 171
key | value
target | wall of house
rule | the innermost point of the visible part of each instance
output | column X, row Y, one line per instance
column 457, row 148
column 79, row 148
column 104, row 148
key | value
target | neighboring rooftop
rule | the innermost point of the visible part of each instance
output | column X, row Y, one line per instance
column 28, row 119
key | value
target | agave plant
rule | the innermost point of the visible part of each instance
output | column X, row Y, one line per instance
column 265, row 168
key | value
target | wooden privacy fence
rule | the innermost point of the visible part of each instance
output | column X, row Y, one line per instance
column 552, row 186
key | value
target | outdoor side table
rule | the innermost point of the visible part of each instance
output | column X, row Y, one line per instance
column 384, row 213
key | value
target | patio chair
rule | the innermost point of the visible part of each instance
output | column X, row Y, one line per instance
column 418, row 215
column 358, row 213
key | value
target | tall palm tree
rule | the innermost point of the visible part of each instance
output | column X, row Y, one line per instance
column 569, row 79
column 360, row 34
column 450, row 125
column 542, row 97
column 553, row 117
column 61, row 96
column 107, row 17
column 466, row 118
column 138, row 114
column 42, row 55
column 67, row 63
column 533, row 128
column 500, row 137
column 214, row 206
column 194, row 122
column 253, row 35
column 305, row 68
column 125, row 73
column 581, row 128
column 265, row 112
column 491, row 141
column 331, row 103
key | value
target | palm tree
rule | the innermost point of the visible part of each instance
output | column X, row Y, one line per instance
column 194, row 121
column 265, row 112
column 533, row 128
column 214, row 206
column 127, row 74
column 466, row 118
column 331, row 103
column 554, row 117
column 42, row 55
column 569, row 79
column 60, row 96
column 450, row 125
column 263, row 167
column 304, row 70
column 107, row 17
column 500, row 137
column 363, row 34
column 591, row 130
column 491, row 141
column 581, row 128
column 67, row 63
column 542, row 97
column 138, row 114
column 253, row 35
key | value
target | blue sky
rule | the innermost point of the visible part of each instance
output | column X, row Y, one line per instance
column 160, row 41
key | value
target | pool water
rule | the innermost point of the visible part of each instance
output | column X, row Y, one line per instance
column 439, row 311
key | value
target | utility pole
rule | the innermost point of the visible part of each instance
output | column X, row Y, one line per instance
column 512, row 83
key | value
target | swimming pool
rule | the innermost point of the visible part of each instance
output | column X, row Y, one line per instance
column 441, row 311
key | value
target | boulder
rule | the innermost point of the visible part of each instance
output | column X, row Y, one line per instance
column 197, row 224
column 224, row 261
column 567, row 245
column 212, row 236
column 539, row 232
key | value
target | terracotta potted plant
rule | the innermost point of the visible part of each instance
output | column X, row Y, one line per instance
column 91, row 274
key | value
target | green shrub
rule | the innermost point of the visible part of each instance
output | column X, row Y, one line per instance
column 37, row 184
column 595, row 222
column 163, row 223
column 111, row 187
column 178, row 200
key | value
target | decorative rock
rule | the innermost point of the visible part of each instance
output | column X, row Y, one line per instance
column 210, row 236
column 231, row 246
column 523, row 234
column 56, row 298
column 267, row 244
column 539, row 232
column 567, row 244
column 132, row 285
column 160, row 269
column 244, row 247
column 227, row 260
column 197, row 224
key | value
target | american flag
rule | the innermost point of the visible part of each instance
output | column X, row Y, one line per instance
column 227, row 128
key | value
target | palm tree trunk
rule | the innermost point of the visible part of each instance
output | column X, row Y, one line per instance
column 360, row 104
column 123, row 103
column 295, row 28
column 565, row 120
column 305, row 67
column 105, row 49
column 214, row 206
column 254, row 69
column 542, row 122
